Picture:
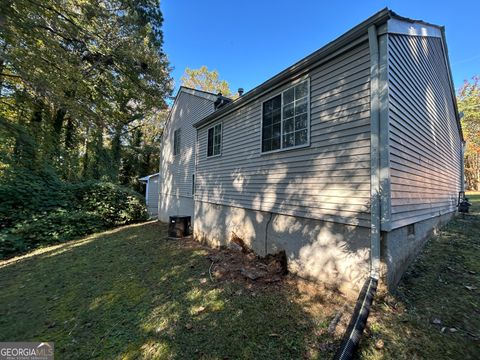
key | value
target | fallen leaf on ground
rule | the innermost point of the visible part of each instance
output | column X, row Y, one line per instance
column 198, row 310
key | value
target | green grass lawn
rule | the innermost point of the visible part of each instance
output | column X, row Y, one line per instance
column 435, row 314
column 130, row 293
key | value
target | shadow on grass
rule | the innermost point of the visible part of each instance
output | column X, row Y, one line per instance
column 131, row 293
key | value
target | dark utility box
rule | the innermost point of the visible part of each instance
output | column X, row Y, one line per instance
column 179, row 226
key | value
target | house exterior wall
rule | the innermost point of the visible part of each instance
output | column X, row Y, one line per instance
column 312, row 202
column 152, row 196
column 176, row 171
column 328, row 180
column 425, row 142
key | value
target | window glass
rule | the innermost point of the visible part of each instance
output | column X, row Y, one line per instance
column 288, row 96
column 301, row 90
column 285, row 119
column 214, row 141
column 271, row 124
column 176, row 142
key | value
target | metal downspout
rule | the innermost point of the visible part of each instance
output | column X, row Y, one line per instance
column 375, row 154
column 362, row 309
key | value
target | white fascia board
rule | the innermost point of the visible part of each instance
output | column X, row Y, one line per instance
column 199, row 93
column 396, row 26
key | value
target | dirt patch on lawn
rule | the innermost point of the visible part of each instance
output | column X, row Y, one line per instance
column 238, row 264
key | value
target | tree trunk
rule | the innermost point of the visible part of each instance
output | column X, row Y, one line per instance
column 477, row 179
column 69, row 133
column 2, row 66
column 117, row 150
column 55, row 150
column 58, row 121
column 35, row 125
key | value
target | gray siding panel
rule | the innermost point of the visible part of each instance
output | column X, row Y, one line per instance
column 176, row 170
column 328, row 180
column 425, row 143
column 152, row 195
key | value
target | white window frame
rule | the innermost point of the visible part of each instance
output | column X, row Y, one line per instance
column 307, row 144
column 221, row 139
column 179, row 132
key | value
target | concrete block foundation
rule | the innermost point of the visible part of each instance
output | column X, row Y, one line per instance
column 401, row 246
column 335, row 254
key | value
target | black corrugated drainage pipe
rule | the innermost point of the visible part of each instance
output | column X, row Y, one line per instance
column 358, row 321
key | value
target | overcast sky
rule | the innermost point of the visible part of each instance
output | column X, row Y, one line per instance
column 250, row 41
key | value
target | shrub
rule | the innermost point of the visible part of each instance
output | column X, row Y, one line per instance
column 38, row 208
column 24, row 193
column 57, row 226
column 114, row 204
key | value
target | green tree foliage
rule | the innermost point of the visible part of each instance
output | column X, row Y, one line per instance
column 82, row 103
column 76, row 75
column 206, row 80
column 469, row 105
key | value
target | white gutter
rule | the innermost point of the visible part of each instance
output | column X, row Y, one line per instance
column 374, row 153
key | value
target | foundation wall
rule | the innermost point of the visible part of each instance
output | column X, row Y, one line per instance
column 171, row 205
column 332, row 253
column 402, row 245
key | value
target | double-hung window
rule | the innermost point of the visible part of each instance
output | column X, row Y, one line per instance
column 285, row 119
column 214, row 141
column 176, row 142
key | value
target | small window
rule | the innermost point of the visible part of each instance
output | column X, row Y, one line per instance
column 285, row 119
column 176, row 142
column 214, row 142
column 193, row 184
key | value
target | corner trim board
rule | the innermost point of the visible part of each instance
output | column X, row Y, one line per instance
column 384, row 136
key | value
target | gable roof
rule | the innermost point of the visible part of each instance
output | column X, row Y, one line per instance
column 147, row 178
column 194, row 92
column 305, row 64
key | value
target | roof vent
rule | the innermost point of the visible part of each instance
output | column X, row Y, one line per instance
column 221, row 101
column 240, row 91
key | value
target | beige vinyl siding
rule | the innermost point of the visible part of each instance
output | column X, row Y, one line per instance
column 425, row 144
column 176, row 170
column 328, row 180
